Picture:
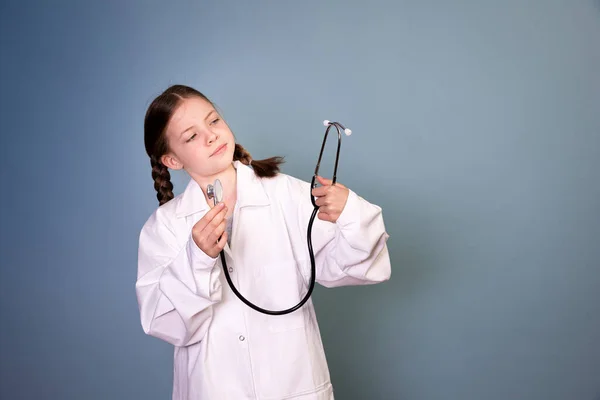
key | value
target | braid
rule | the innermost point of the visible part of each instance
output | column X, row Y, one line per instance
column 162, row 181
column 242, row 155
column 266, row 168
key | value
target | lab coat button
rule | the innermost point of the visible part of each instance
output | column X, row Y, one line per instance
column 230, row 269
column 242, row 338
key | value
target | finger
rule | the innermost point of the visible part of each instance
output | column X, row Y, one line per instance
column 215, row 211
column 215, row 248
column 210, row 215
column 324, row 216
column 320, row 191
column 324, row 181
column 220, row 245
column 328, row 209
column 209, row 236
column 214, row 236
column 216, row 221
column 321, row 201
column 332, row 208
column 329, row 182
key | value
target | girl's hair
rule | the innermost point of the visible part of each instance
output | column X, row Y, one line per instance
column 157, row 117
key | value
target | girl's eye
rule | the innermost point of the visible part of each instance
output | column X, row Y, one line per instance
column 215, row 121
column 190, row 139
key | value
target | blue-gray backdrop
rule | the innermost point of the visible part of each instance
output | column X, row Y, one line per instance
column 476, row 128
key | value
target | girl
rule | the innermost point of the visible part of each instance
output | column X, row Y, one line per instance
column 223, row 348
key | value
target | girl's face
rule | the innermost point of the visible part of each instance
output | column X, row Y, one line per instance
column 199, row 140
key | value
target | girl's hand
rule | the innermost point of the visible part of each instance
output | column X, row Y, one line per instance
column 331, row 199
column 209, row 233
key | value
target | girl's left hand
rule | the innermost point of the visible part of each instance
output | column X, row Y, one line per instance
column 331, row 199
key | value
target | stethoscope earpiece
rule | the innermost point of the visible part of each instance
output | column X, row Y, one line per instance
column 347, row 131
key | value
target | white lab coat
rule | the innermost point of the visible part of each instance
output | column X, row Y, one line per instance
column 224, row 349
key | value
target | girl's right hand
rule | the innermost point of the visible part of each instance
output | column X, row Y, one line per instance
column 209, row 233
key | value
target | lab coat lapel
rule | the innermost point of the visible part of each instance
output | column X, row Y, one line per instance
column 250, row 193
column 192, row 201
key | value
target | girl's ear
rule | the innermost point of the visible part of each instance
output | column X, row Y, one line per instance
column 171, row 162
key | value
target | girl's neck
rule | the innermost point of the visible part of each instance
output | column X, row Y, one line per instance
column 228, row 179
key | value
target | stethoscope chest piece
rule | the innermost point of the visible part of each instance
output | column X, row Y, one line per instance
column 215, row 192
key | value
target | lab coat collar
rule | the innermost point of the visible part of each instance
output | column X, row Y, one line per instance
column 250, row 192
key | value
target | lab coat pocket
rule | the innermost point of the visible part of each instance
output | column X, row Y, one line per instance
column 287, row 285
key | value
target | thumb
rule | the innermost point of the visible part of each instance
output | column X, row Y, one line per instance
column 324, row 181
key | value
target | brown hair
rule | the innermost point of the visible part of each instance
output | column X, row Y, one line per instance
column 157, row 117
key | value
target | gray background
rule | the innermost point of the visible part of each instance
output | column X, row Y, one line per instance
column 476, row 128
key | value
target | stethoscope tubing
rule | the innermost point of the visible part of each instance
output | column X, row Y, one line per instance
column 312, row 280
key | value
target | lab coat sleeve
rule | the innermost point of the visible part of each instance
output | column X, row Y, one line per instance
column 351, row 251
column 177, row 285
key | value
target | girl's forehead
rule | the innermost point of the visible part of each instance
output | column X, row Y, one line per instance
column 193, row 108
column 190, row 112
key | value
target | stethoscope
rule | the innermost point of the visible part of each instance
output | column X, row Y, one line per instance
column 216, row 192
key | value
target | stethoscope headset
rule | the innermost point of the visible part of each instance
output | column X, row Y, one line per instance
column 215, row 192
